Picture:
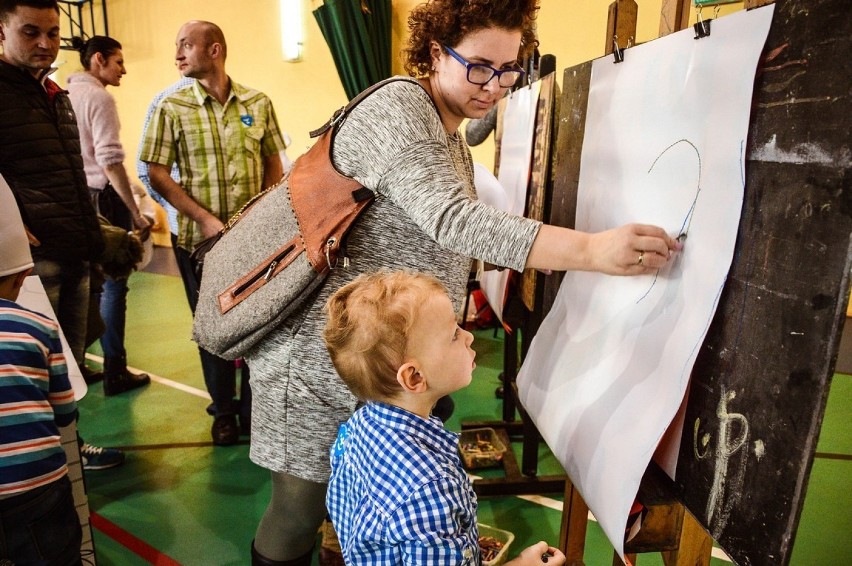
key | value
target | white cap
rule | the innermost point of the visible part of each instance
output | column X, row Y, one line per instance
column 14, row 247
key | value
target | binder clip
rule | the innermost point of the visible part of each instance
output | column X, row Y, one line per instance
column 617, row 52
column 702, row 27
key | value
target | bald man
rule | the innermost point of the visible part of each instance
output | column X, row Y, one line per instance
column 225, row 140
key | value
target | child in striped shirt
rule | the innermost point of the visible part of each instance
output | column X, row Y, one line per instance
column 398, row 493
column 38, row 520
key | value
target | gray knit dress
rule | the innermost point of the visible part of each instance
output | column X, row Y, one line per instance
column 425, row 218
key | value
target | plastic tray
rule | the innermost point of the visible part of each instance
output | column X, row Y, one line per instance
column 480, row 448
column 503, row 536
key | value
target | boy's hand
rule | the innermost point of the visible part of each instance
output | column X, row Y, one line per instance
column 539, row 554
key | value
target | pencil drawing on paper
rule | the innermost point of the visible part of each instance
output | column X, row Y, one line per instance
column 684, row 227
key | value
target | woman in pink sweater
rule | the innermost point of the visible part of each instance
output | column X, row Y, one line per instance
column 103, row 158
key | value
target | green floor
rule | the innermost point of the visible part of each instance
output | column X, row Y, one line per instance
column 179, row 500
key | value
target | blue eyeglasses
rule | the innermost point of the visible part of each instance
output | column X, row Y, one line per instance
column 480, row 74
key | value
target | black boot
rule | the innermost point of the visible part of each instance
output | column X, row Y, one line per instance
column 118, row 379
column 257, row 559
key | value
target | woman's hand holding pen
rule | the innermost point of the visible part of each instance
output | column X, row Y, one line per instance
column 632, row 249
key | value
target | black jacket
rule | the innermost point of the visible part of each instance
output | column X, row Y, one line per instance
column 40, row 159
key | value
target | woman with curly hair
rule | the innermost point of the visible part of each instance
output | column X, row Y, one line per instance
column 402, row 142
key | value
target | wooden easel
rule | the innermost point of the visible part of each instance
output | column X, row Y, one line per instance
column 521, row 314
column 667, row 527
column 523, row 479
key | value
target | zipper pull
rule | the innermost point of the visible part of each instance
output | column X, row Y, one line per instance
column 270, row 270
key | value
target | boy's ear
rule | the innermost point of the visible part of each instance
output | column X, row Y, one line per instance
column 410, row 379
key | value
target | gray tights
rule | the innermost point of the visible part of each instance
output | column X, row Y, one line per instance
column 289, row 526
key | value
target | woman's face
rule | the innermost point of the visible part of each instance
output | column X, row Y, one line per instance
column 112, row 70
column 456, row 97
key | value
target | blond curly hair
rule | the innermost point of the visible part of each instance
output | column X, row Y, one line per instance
column 368, row 324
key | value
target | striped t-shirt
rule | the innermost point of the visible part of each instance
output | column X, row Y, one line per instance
column 35, row 399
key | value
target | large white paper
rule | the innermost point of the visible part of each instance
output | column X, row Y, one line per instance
column 516, row 147
column 664, row 141
column 34, row 297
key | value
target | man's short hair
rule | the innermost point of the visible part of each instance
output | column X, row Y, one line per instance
column 214, row 34
column 368, row 325
column 9, row 6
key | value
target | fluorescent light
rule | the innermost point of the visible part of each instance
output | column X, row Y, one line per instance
column 291, row 29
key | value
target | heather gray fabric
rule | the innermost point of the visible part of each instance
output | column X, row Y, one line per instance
column 425, row 218
column 229, row 336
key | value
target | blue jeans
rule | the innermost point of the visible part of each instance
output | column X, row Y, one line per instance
column 114, row 312
column 220, row 375
column 41, row 527
column 67, row 287
column 113, row 303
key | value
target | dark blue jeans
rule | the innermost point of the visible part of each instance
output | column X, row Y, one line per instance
column 114, row 312
column 113, row 305
column 41, row 527
column 220, row 375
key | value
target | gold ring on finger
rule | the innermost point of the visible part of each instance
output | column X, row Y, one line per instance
column 641, row 258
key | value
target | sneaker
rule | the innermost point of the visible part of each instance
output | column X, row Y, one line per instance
column 96, row 458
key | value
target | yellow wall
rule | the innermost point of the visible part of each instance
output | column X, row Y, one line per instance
column 307, row 92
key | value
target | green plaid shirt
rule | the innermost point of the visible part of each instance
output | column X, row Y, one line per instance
column 219, row 149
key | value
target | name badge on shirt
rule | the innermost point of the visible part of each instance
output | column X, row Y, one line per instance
column 339, row 446
column 247, row 119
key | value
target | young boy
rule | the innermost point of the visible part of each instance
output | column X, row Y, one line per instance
column 398, row 493
column 38, row 521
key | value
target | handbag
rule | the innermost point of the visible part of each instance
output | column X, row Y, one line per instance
column 274, row 252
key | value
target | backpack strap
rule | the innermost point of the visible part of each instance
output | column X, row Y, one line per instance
column 341, row 112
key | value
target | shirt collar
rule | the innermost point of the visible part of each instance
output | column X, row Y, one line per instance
column 237, row 91
column 431, row 431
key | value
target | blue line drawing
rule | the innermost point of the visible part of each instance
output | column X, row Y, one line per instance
column 687, row 221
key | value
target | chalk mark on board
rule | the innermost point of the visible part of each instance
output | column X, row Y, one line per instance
column 687, row 221
column 732, row 438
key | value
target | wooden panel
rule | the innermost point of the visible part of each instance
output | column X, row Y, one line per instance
column 566, row 160
column 538, row 195
column 674, row 16
column 761, row 379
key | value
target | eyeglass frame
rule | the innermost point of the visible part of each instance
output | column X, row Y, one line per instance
column 495, row 72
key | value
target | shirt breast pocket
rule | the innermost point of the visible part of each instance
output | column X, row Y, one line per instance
column 253, row 139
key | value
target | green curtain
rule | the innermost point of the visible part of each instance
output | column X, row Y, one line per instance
column 358, row 34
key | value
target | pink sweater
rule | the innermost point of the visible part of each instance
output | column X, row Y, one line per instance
column 97, row 120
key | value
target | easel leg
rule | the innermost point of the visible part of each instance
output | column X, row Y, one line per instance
column 695, row 545
column 572, row 533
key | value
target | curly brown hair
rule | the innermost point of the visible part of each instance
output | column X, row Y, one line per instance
column 449, row 21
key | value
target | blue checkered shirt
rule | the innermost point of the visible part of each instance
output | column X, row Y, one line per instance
column 398, row 493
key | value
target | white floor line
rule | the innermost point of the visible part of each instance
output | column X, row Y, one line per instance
column 163, row 380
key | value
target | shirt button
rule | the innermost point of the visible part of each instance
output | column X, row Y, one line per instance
column 467, row 553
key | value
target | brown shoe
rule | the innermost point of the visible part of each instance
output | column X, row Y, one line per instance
column 225, row 431
column 124, row 381
column 91, row 376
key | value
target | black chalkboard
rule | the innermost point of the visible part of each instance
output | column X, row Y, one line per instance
column 761, row 380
